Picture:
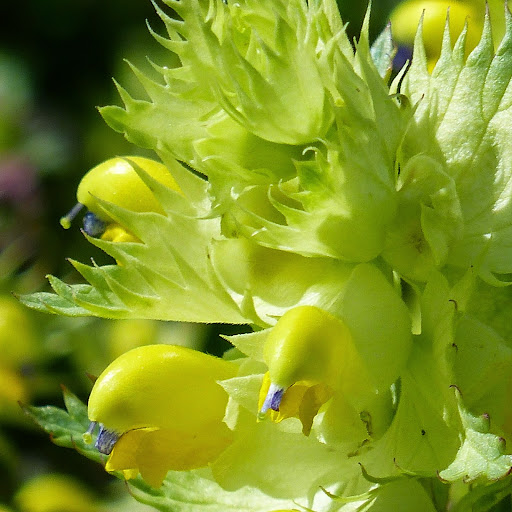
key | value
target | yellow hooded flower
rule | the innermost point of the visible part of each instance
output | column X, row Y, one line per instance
column 354, row 358
column 159, row 408
column 117, row 182
column 306, row 353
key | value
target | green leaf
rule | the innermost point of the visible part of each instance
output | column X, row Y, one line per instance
column 462, row 121
column 66, row 426
column 52, row 303
column 481, row 498
column 167, row 276
column 383, row 51
column 482, row 455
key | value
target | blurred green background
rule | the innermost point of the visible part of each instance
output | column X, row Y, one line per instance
column 57, row 58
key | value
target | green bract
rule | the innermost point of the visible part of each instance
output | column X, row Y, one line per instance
column 361, row 229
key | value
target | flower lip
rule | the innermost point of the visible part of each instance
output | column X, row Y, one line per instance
column 106, row 440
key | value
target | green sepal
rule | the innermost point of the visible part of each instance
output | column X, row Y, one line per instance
column 408, row 494
column 262, row 445
column 273, row 281
column 429, row 219
column 482, row 364
column 233, row 131
column 424, row 435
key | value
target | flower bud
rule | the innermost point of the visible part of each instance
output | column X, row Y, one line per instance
column 159, row 408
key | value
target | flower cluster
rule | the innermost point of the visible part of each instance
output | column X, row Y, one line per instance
column 361, row 229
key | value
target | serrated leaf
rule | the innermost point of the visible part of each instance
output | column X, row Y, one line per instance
column 167, row 276
column 383, row 51
column 66, row 427
column 52, row 303
column 463, row 120
column 482, row 455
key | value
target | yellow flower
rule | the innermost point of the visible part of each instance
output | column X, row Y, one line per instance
column 117, row 182
column 154, row 451
column 160, row 408
column 306, row 353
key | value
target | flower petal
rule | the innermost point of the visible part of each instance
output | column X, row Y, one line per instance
column 153, row 452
